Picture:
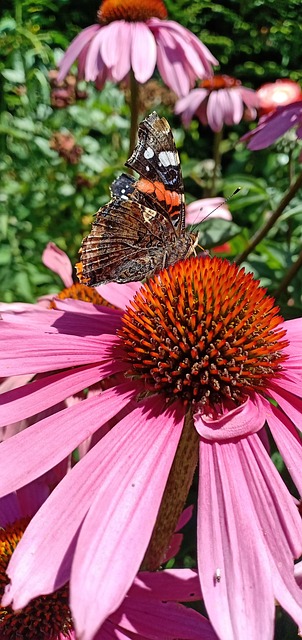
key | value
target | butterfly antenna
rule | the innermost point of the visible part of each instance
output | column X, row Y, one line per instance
column 218, row 206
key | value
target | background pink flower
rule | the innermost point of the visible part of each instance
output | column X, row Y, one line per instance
column 133, row 35
column 218, row 101
column 277, row 94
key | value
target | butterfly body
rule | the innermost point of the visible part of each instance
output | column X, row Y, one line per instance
column 142, row 229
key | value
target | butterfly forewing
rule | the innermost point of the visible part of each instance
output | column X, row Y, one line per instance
column 141, row 230
column 156, row 159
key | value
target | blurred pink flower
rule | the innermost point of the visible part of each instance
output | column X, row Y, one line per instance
column 276, row 94
column 274, row 126
column 204, row 336
column 150, row 609
column 218, row 101
column 198, row 210
column 133, row 35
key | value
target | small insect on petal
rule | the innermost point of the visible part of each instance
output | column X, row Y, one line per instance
column 217, row 575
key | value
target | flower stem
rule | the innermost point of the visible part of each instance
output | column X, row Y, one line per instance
column 261, row 233
column 289, row 276
column 218, row 135
column 134, row 106
column 175, row 494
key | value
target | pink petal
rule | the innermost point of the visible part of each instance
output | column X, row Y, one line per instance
column 57, row 261
column 188, row 37
column 199, row 209
column 93, row 62
column 46, row 392
column 127, row 457
column 185, row 517
column 116, row 48
column 187, row 106
column 291, row 405
column 143, row 52
column 171, row 66
column 288, row 442
column 274, row 126
column 119, row 294
column 75, row 48
column 34, row 451
column 229, row 542
column 246, row 419
column 151, row 619
column 180, row 585
column 215, row 111
column 104, row 569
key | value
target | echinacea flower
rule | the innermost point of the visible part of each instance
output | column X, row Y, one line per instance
column 219, row 100
column 275, row 125
column 151, row 606
column 277, row 94
column 135, row 35
column 201, row 352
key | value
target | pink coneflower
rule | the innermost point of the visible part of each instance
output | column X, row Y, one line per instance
column 277, row 94
column 135, row 35
column 201, row 360
column 219, row 100
column 198, row 210
column 151, row 606
column 275, row 125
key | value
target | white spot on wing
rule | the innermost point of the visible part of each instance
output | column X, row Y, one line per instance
column 148, row 153
column 168, row 158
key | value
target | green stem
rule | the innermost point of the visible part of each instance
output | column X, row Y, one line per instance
column 134, row 106
column 263, row 231
column 218, row 135
column 289, row 276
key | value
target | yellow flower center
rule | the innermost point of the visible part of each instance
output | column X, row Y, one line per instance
column 203, row 331
column 131, row 10
column 44, row 617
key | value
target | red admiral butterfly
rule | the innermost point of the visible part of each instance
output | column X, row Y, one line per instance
column 142, row 229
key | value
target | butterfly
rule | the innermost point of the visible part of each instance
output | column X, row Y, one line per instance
column 142, row 229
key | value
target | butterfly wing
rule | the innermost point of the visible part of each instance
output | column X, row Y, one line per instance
column 127, row 242
column 156, row 159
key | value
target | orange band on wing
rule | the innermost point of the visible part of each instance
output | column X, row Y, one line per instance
column 172, row 199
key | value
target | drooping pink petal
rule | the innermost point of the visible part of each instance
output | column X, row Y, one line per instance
column 288, row 442
column 205, row 54
column 143, row 52
column 171, row 65
column 233, row 106
column 233, row 566
column 106, row 567
column 57, row 261
column 246, row 419
column 32, row 452
column 187, row 106
column 215, row 110
column 75, row 48
column 94, row 62
column 116, row 48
